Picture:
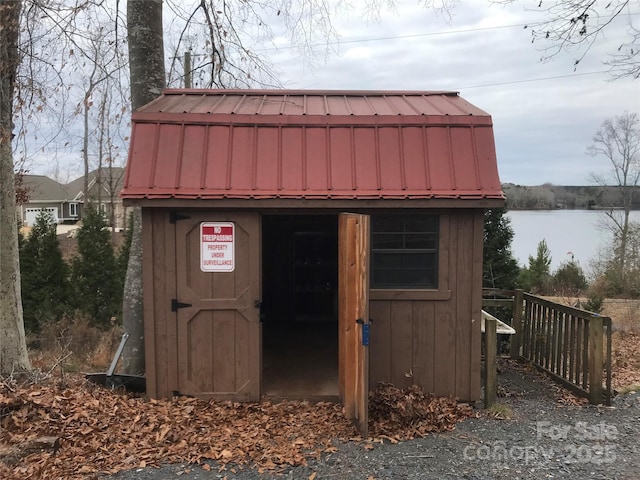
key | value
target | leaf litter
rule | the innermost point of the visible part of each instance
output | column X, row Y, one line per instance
column 104, row 431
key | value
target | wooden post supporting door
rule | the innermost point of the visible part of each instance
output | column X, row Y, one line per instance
column 353, row 300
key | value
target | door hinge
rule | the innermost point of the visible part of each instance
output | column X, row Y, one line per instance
column 175, row 216
column 365, row 332
column 175, row 305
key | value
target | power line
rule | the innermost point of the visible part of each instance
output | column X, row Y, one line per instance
column 533, row 80
column 415, row 35
column 394, row 37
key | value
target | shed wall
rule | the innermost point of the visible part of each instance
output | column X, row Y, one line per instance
column 435, row 343
column 432, row 340
column 159, row 283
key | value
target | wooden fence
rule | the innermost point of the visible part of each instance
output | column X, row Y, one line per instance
column 571, row 345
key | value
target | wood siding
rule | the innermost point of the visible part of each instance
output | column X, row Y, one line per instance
column 428, row 338
column 212, row 347
column 435, row 343
column 159, row 283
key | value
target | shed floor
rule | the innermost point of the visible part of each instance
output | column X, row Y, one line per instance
column 300, row 361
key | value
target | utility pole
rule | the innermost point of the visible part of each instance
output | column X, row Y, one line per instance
column 187, row 69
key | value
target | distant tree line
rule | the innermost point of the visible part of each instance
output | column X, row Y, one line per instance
column 89, row 285
column 548, row 197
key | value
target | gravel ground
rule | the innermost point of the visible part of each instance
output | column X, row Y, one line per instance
column 544, row 439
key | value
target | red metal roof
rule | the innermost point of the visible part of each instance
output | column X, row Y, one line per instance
column 218, row 144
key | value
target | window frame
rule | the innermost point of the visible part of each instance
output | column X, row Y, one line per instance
column 73, row 209
column 442, row 290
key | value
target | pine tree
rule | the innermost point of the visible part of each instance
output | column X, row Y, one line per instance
column 537, row 276
column 44, row 275
column 95, row 277
column 500, row 268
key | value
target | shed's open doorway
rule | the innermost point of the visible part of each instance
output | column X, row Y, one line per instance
column 300, row 306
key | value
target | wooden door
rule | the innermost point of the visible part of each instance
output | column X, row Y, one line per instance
column 218, row 321
column 353, row 299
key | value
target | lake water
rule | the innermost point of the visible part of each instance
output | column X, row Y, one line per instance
column 566, row 232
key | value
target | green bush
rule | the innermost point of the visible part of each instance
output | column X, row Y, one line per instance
column 569, row 279
column 96, row 277
column 44, row 275
column 594, row 303
column 536, row 277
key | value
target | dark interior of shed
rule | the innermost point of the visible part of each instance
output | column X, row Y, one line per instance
column 299, row 310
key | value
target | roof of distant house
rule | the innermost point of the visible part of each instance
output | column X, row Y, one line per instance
column 43, row 188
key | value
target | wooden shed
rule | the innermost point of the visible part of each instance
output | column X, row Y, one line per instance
column 308, row 243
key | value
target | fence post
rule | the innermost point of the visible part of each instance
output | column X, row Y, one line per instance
column 595, row 359
column 516, row 338
column 490, row 353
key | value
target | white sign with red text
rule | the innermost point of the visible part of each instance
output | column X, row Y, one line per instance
column 217, row 247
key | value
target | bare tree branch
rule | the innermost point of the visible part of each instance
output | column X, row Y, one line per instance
column 577, row 25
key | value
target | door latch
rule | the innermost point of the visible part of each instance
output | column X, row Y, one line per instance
column 365, row 332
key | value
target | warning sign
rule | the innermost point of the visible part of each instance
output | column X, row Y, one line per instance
column 217, row 247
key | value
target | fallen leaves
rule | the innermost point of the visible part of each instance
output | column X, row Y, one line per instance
column 625, row 359
column 401, row 414
column 103, row 431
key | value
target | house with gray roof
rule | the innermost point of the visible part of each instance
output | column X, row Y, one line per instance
column 65, row 202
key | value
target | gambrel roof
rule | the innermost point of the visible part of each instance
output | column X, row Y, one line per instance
column 269, row 144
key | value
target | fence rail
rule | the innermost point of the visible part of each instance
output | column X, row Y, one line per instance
column 571, row 345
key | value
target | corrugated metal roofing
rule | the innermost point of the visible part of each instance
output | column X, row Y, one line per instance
column 304, row 144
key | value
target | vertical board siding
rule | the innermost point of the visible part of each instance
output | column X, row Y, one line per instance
column 159, row 288
column 200, row 336
column 464, row 295
column 436, row 343
column 445, row 350
column 423, row 344
column 401, row 343
column 161, row 308
column 476, row 305
column 380, row 358
column 221, row 338
column 223, row 351
column 432, row 343
column 151, row 357
column 168, row 255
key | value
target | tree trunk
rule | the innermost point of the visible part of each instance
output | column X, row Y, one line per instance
column 146, row 51
column 132, row 305
column 13, row 349
column 146, row 67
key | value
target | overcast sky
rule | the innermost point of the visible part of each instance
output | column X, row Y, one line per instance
column 544, row 113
